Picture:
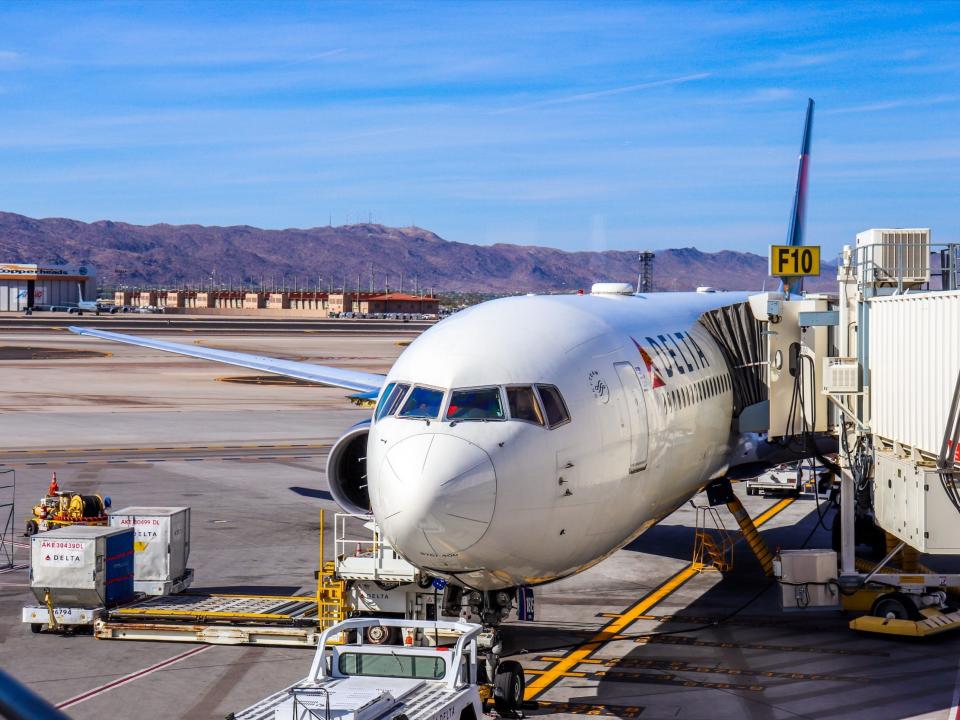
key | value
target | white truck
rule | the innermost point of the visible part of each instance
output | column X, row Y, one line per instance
column 363, row 681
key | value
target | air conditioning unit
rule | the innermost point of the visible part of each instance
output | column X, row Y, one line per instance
column 840, row 375
column 890, row 256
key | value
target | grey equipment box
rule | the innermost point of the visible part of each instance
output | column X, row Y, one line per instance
column 804, row 580
column 911, row 502
column 162, row 545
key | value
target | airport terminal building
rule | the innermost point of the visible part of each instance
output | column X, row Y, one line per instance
column 24, row 285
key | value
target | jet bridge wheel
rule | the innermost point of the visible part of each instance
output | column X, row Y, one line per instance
column 508, row 688
column 897, row 605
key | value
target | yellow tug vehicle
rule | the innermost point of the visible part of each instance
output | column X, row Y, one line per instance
column 60, row 508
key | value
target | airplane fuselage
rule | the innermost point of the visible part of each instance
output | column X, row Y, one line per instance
column 496, row 503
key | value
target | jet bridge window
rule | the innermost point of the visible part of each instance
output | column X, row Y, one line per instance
column 553, row 405
column 476, row 404
column 423, row 402
column 523, row 404
column 390, row 400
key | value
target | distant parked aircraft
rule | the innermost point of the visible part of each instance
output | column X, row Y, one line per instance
column 94, row 306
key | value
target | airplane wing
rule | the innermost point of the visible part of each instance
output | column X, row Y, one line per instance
column 338, row 377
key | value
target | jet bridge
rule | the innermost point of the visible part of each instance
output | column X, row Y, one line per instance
column 877, row 366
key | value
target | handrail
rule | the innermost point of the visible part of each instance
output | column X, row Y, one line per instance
column 951, row 435
column 468, row 633
column 868, row 267
column 18, row 702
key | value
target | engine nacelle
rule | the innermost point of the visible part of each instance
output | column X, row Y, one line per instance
column 347, row 470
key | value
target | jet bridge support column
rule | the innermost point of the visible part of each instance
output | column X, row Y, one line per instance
column 720, row 491
column 848, row 520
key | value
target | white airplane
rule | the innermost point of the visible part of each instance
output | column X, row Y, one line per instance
column 94, row 306
column 526, row 439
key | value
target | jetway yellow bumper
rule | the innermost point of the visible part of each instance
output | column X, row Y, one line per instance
column 934, row 623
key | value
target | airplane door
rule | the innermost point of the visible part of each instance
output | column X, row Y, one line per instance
column 637, row 412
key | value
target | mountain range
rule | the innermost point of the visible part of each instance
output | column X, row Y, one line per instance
column 172, row 255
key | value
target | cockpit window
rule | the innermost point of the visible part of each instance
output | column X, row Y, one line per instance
column 523, row 404
column 390, row 400
column 476, row 404
column 423, row 402
column 553, row 405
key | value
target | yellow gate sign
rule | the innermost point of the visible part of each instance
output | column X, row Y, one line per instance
column 794, row 261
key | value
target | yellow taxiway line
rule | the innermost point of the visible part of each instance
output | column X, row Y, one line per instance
column 566, row 665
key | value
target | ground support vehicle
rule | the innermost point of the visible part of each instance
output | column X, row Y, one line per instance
column 378, row 582
column 62, row 508
column 363, row 681
column 781, row 480
column 233, row 619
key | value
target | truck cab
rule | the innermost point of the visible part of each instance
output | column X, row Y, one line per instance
column 358, row 680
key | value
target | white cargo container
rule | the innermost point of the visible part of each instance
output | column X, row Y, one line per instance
column 162, row 545
column 82, row 566
column 914, row 345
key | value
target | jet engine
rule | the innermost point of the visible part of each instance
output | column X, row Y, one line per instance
column 347, row 470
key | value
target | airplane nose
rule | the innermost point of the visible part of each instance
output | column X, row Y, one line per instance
column 436, row 495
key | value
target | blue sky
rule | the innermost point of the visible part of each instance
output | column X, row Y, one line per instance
column 579, row 126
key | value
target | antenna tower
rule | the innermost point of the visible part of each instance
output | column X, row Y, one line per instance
column 645, row 281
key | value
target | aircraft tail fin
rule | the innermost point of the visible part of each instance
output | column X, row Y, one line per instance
column 80, row 290
column 798, row 216
column 798, row 219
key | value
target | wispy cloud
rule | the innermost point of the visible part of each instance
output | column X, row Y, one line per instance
column 893, row 104
column 751, row 97
column 317, row 56
column 797, row 61
column 7, row 56
column 773, row 94
column 582, row 97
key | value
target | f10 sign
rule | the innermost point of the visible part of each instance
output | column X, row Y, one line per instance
column 793, row 261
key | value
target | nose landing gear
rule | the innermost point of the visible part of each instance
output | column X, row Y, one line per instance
column 504, row 679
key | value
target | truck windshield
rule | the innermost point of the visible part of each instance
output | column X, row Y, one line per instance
column 477, row 404
column 423, row 667
column 422, row 402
